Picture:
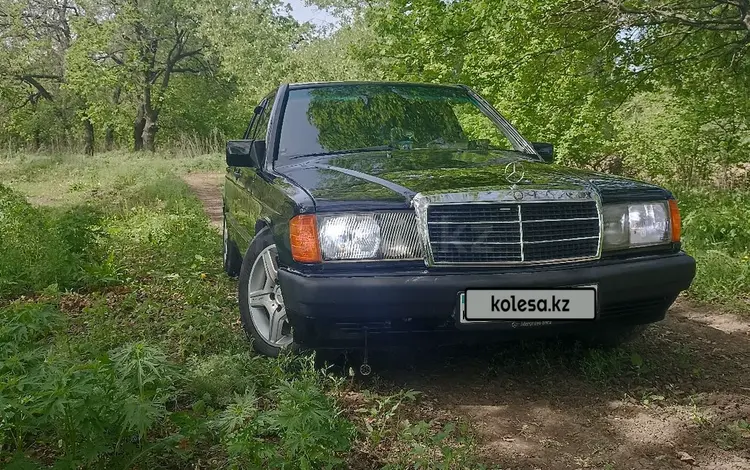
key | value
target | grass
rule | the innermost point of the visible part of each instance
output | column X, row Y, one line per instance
column 120, row 345
column 716, row 225
column 63, row 180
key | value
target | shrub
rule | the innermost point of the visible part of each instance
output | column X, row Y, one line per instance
column 85, row 411
column 716, row 219
column 304, row 431
column 722, row 278
column 43, row 247
column 717, row 233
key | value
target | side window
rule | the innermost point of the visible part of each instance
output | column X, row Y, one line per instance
column 260, row 131
column 253, row 123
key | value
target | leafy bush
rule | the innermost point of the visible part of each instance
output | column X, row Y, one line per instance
column 304, row 429
column 722, row 279
column 716, row 219
column 154, row 371
column 44, row 247
column 717, row 232
column 83, row 410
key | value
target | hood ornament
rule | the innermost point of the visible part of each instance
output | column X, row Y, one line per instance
column 514, row 172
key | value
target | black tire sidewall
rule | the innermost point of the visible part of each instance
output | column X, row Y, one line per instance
column 262, row 240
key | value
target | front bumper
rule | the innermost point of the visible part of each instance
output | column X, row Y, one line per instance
column 631, row 291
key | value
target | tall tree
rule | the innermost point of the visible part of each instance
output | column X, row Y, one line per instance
column 35, row 36
column 562, row 68
column 137, row 46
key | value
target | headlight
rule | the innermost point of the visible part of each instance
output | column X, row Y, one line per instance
column 369, row 236
column 349, row 237
column 635, row 225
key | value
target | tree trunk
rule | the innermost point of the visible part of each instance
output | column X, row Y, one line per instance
column 109, row 132
column 109, row 138
column 149, row 131
column 88, row 147
column 138, row 127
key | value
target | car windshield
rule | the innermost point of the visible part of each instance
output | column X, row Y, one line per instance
column 368, row 117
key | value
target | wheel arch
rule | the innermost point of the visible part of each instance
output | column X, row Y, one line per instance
column 262, row 223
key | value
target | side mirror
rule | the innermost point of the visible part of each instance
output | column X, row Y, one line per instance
column 545, row 150
column 246, row 153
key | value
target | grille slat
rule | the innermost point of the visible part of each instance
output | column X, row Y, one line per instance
column 559, row 210
column 474, row 232
column 513, row 232
column 485, row 213
column 558, row 230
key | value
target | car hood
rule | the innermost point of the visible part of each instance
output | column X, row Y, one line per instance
column 397, row 176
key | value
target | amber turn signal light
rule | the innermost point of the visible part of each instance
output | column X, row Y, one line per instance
column 303, row 238
column 674, row 214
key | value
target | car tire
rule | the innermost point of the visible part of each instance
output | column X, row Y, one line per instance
column 260, row 298
column 231, row 254
column 613, row 337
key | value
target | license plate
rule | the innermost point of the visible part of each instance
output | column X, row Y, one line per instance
column 569, row 303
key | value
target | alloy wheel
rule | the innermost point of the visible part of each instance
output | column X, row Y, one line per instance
column 266, row 302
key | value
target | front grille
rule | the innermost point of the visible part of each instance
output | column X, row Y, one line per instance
column 513, row 233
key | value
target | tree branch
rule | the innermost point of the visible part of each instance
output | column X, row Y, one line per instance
column 42, row 91
column 663, row 15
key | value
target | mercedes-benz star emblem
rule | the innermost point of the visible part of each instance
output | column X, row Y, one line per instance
column 514, row 172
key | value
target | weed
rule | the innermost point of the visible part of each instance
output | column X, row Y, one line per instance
column 603, row 365
column 716, row 233
column 143, row 363
column 381, row 410
column 444, row 448
column 89, row 409
column 696, row 415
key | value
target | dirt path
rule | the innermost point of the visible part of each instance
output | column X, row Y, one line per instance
column 207, row 186
column 679, row 397
column 676, row 398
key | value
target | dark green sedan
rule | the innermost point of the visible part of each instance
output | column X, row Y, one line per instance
column 362, row 215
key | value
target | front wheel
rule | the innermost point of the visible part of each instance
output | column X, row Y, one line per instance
column 261, row 301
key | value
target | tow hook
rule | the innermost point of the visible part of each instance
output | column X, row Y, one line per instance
column 365, row 368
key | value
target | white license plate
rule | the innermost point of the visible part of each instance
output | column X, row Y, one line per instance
column 571, row 303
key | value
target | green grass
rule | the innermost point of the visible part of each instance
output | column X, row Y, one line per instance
column 716, row 226
column 120, row 345
column 61, row 180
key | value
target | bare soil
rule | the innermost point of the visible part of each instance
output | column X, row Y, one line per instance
column 208, row 187
column 676, row 398
column 670, row 400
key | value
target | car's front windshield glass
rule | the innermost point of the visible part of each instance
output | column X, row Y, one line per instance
column 366, row 117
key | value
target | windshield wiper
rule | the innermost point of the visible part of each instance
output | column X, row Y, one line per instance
column 378, row 148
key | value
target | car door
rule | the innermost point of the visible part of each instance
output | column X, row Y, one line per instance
column 243, row 184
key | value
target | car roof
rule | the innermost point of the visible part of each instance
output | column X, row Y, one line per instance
column 297, row 86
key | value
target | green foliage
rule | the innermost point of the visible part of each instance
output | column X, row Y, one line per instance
column 722, row 279
column 312, row 434
column 716, row 219
column 443, row 449
column 92, row 409
column 576, row 76
column 151, row 371
column 42, row 247
column 675, row 140
column 716, row 232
